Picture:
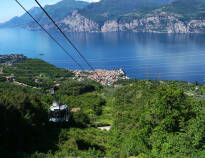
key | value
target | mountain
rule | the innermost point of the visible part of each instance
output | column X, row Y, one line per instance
column 57, row 11
column 188, row 9
column 110, row 9
column 162, row 16
column 178, row 16
column 98, row 12
column 93, row 17
column 22, row 20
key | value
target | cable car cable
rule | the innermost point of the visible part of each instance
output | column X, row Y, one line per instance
column 66, row 37
column 49, row 34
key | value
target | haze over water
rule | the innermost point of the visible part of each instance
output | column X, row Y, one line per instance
column 141, row 55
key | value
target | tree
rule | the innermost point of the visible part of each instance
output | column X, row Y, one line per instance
column 81, row 119
column 176, row 123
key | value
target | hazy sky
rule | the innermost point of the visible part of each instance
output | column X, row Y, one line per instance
column 9, row 8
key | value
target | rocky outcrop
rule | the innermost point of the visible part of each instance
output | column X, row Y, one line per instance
column 111, row 26
column 77, row 23
column 170, row 16
column 162, row 22
column 196, row 26
column 11, row 58
column 157, row 22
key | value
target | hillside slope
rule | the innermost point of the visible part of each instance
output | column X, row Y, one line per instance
column 57, row 11
column 98, row 12
column 163, row 16
column 147, row 119
column 110, row 9
column 23, row 20
column 175, row 17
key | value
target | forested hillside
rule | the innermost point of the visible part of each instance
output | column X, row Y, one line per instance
column 147, row 118
column 112, row 9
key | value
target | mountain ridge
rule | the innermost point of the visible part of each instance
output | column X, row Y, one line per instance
column 109, row 9
column 57, row 11
column 164, row 16
column 174, row 17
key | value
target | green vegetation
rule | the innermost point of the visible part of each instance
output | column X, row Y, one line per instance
column 37, row 73
column 61, row 9
column 183, row 12
column 182, row 7
column 127, row 11
column 157, row 120
column 26, row 132
column 112, row 9
column 147, row 118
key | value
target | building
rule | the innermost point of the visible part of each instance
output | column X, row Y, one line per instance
column 10, row 78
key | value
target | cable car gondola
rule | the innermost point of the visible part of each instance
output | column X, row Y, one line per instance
column 59, row 113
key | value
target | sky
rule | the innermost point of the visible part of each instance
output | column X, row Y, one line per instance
column 9, row 8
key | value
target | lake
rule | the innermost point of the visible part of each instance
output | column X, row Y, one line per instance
column 141, row 55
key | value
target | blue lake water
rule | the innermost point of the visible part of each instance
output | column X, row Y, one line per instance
column 141, row 55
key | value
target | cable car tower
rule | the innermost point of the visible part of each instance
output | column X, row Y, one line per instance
column 58, row 112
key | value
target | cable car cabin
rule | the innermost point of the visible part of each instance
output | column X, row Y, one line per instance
column 59, row 113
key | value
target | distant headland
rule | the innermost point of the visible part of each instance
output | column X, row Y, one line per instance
column 12, row 58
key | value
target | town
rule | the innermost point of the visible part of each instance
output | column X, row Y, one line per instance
column 102, row 76
column 105, row 77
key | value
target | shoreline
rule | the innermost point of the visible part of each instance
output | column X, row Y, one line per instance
column 108, row 76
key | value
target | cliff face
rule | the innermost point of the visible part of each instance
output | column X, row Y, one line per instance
column 78, row 23
column 177, row 16
column 58, row 11
column 163, row 23
column 159, row 23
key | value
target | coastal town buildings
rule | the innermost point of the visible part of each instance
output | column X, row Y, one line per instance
column 105, row 77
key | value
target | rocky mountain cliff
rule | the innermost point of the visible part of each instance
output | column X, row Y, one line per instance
column 176, row 17
column 57, row 11
column 162, row 23
column 106, row 10
column 166, row 16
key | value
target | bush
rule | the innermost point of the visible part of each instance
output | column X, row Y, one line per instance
column 2, row 79
column 81, row 119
